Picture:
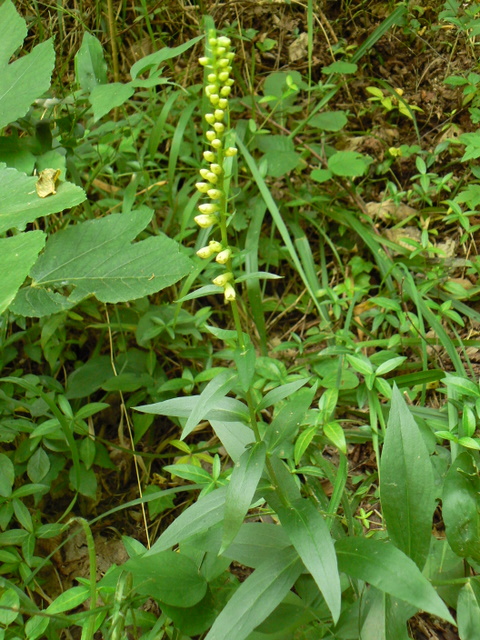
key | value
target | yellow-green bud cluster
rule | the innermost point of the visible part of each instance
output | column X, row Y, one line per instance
column 219, row 85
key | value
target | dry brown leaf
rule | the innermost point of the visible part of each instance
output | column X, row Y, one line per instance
column 388, row 210
column 46, row 184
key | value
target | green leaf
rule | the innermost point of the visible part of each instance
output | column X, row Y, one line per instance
column 21, row 204
column 7, row 476
column 36, row 626
column 390, row 365
column 17, row 255
column 463, row 385
column 241, row 489
column 329, row 120
column 156, row 59
column 388, row 569
column 69, row 599
column 461, row 507
column 227, row 409
column 189, row 472
column 105, row 97
column 199, row 517
column 468, row 613
column 286, row 422
column 407, row 484
column 215, row 391
column 280, row 393
column 37, row 303
column 96, row 257
column 234, row 436
column 255, row 542
column 169, row 577
column 348, row 163
column 90, row 65
column 26, row 79
column 310, row 536
column 257, row 597
column 340, row 67
column 9, row 603
column 38, row 466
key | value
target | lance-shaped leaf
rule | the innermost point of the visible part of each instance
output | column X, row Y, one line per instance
column 243, row 483
column 214, row 391
column 97, row 257
column 26, row 79
column 257, row 597
column 199, row 517
column 20, row 203
column 407, row 486
column 17, row 255
column 390, row 570
column 309, row 534
column 226, row 409
column 461, row 507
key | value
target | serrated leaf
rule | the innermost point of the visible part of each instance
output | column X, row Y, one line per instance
column 388, row 569
column 257, row 597
column 241, row 489
column 407, row 483
column 310, row 536
column 17, row 255
column 26, row 79
column 20, row 203
column 97, row 257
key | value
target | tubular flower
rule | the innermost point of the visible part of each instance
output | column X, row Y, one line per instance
column 214, row 185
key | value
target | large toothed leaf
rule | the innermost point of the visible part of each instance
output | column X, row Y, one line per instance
column 20, row 203
column 97, row 257
column 17, row 254
column 27, row 78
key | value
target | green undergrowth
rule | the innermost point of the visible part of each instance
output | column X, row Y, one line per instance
column 239, row 325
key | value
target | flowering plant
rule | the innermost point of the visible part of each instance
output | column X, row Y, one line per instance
column 213, row 212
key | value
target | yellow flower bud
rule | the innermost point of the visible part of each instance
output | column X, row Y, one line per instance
column 225, row 91
column 223, row 279
column 207, row 207
column 231, row 151
column 216, row 169
column 210, row 135
column 214, row 194
column 216, row 144
column 219, row 114
column 205, row 253
column 223, row 76
column 212, row 42
column 203, row 187
column 223, row 62
column 222, row 102
column 204, row 61
column 209, row 156
column 205, row 220
column 210, row 118
column 219, row 127
column 214, row 99
column 229, row 293
column 220, row 51
column 211, row 177
column 224, row 256
column 212, row 78
column 223, row 41
column 215, row 246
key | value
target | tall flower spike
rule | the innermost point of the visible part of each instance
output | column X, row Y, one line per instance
column 213, row 213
